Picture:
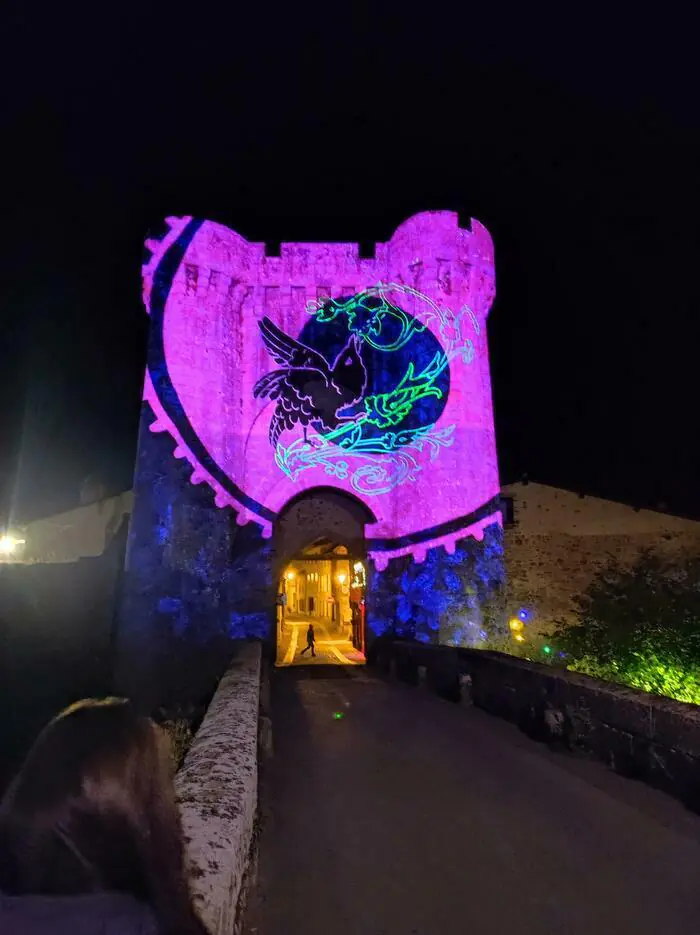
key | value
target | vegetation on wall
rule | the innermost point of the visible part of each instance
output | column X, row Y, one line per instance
column 181, row 736
column 181, row 723
column 639, row 626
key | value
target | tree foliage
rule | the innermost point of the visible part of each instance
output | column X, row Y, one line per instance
column 640, row 626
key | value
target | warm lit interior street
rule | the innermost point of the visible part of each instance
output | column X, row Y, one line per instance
column 333, row 644
column 323, row 587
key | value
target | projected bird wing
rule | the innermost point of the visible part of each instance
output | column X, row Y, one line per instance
column 285, row 350
column 296, row 401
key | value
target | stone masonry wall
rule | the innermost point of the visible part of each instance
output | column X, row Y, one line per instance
column 217, row 790
column 560, row 541
column 195, row 582
column 641, row 736
column 452, row 598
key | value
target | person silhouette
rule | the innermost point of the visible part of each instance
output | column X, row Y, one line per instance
column 310, row 641
column 90, row 835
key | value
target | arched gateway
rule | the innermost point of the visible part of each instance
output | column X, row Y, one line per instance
column 278, row 388
column 321, row 562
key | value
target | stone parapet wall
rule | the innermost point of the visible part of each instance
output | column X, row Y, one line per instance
column 217, row 789
column 641, row 736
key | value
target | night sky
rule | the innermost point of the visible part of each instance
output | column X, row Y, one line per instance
column 573, row 135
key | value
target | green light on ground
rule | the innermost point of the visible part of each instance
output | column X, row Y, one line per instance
column 338, row 715
column 547, row 650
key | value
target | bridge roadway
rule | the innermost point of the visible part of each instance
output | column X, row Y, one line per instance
column 413, row 816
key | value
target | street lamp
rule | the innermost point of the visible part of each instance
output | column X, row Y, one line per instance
column 10, row 544
column 359, row 578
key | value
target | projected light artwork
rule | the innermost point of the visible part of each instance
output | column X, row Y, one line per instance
column 390, row 417
column 307, row 397
column 317, row 368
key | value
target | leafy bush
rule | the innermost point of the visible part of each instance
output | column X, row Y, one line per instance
column 640, row 626
column 181, row 736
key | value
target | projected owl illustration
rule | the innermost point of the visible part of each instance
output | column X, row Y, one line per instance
column 308, row 389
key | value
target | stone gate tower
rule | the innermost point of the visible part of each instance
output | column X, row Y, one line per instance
column 274, row 378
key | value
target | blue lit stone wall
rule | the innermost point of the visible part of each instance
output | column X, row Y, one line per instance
column 455, row 599
column 194, row 582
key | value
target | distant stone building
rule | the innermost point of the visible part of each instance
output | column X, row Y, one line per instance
column 84, row 532
column 319, row 588
column 558, row 540
column 92, row 490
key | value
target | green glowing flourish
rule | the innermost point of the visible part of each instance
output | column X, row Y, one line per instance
column 392, row 458
column 389, row 460
column 387, row 409
column 366, row 320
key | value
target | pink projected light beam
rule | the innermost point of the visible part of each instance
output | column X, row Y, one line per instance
column 232, row 323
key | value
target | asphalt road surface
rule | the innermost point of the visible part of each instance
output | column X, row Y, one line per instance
column 412, row 816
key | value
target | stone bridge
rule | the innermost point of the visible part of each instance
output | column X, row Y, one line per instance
column 383, row 807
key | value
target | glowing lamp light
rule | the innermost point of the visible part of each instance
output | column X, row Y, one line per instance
column 547, row 650
column 515, row 625
column 9, row 544
column 359, row 577
column 290, row 576
column 338, row 715
column 522, row 614
column 519, row 637
column 341, row 578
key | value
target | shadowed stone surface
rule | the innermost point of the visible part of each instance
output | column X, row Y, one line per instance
column 217, row 790
column 413, row 815
column 639, row 735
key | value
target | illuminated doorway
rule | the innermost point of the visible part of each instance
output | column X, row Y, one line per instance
column 321, row 563
column 322, row 588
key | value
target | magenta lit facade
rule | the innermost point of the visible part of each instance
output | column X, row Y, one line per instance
column 276, row 375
